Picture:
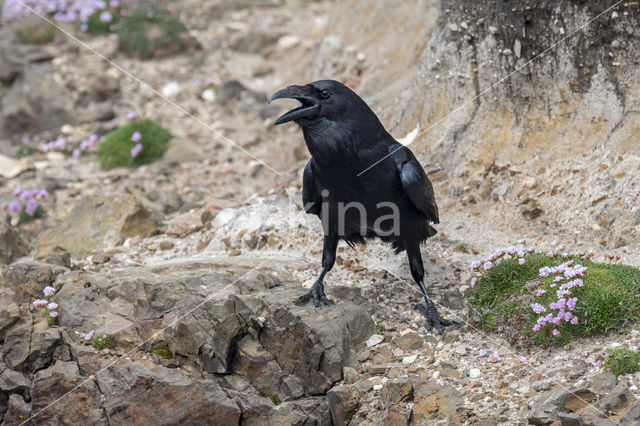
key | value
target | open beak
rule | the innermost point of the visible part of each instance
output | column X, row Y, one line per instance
column 308, row 105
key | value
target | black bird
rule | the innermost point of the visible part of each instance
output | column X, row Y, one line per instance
column 392, row 200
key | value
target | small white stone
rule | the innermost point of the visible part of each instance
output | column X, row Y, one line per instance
column 377, row 387
column 474, row 373
column 453, row 27
column 614, row 15
column 460, row 350
column 66, row 129
column 288, row 41
column 171, row 89
column 507, row 52
column 409, row 359
column 374, row 339
column 464, row 25
column 361, row 56
column 493, row 30
column 223, row 217
column 209, row 95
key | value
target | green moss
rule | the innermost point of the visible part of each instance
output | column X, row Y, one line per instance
column 622, row 361
column 40, row 33
column 608, row 301
column 101, row 341
column 273, row 397
column 162, row 349
column 147, row 34
column 115, row 149
column 96, row 27
column 379, row 328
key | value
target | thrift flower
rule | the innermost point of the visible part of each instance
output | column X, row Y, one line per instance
column 136, row 150
column 48, row 291
column 599, row 362
column 14, row 206
column 536, row 327
column 571, row 303
column 574, row 320
column 495, row 357
column 53, row 314
column 31, row 206
column 482, row 352
column 131, row 115
column 89, row 335
column 555, row 332
column 52, row 306
column 524, row 360
column 76, row 153
column 19, row 190
column 538, row 308
column 106, row 17
column 136, row 137
column 474, row 280
column 475, row 264
column 521, row 261
column 488, row 266
column 39, row 303
column 541, row 293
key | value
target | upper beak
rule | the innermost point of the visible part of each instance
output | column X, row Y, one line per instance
column 308, row 106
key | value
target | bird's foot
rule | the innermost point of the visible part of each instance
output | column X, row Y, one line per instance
column 316, row 293
column 434, row 320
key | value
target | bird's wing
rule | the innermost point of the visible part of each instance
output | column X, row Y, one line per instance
column 415, row 182
column 310, row 197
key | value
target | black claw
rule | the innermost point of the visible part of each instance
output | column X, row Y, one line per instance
column 434, row 320
column 316, row 293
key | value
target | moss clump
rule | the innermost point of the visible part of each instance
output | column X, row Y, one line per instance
column 95, row 26
column 622, row 361
column 38, row 33
column 609, row 299
column 101, row 341
column 148, row 34
column 162, row 350
column 461, row 247
column 273, row 397
column 115, row 149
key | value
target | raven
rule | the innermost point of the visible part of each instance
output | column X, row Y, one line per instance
column 393, row 200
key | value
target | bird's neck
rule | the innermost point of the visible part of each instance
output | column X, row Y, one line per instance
column 333, row 145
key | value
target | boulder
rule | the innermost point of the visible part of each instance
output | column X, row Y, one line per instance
column 433, row 401
column 343, row 403
column 13, row 246
column 96, row 222
column 129, row 399
column 546, row 408
column 28, row 279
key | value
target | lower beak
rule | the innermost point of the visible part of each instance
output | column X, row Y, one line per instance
column 308, row 106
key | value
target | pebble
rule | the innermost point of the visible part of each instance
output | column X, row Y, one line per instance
column 493, row 30
column 614, row 15
column 377, row 387
column 288, row 41
column 209, row 95
column 475, row 373
column 409, row 359
column 507, row 52
column 453, row 27
column 460, row 349
column 171, row 89
column 374, row 339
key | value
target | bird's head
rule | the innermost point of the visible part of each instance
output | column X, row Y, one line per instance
column 323, row 100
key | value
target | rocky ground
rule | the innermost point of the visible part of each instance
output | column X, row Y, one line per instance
column 193, row 263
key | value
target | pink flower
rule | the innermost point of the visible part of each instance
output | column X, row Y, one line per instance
column 136, row 150
column 488, row 266
column 89, row 335
column 536, row 327
column 574, row 320
column 538, row 308
column 521, row 261
column 474, row 280
column 541, row 293
column 482, row 353
column 53, row 314
column 14, row 206
column 555, row 332
column 76, row 153
column 599, row 362
column 131, row 115
column 51, row 306
column 136, row 136
column 524, row 360
column 31, row 206
column 571, row 303
column 48, row 291
column 494, row 357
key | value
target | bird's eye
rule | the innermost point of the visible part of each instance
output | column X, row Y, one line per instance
column 325, row 93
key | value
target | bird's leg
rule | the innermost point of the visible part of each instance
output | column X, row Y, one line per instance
column 429, row 311
column 328, row 260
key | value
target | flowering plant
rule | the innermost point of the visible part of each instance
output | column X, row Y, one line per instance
column 26, row 205
column 49, row 309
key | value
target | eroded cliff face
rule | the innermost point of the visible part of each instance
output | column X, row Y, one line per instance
column 545, row 89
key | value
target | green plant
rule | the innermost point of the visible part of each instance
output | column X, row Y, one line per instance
column 162, row 350
column 622, row 360
column 379, row 328
column 24, row 216
column 101, row 341
column 273, row 397
column 527, row 299
column 462, row 247
column 102, row 21
column 40, row 33
column 117, row 147
column 147, row 34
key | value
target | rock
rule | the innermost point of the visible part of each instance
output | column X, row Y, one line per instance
column 546, row 408
column 97, row 112
column 460, row 349
column 44, row 345
column 433, row 401
column 602, row 383
column 223, row 217
column 578, row 399
column 308, row 411
column 408, row 360
column 256, row 410
column 350, row 375
column 493, row 30
column 632, row 414
column 475, row 373
column 287, row 42
column 184, row 224
column 452, row 299
column 170, row 89
column 617, row 401
column 97, row 222
column 182, row 151
column 12, row 384
column 104, row 86
column 84, row 404
column 453, row 28
column 13, row 246
column 259, row 367
column 531, row 208
column 408, row 342
column 395, row 392
column 256, row 42
column 343, row 403
column 127, row 399
column 569, row 419
column 35, row 102
column 28, row 279
column 208, row 95
column 12, row 167
column 500, row 191
column 15, row 349
column 374, row 340
column 18, row 410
